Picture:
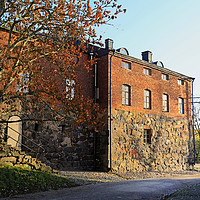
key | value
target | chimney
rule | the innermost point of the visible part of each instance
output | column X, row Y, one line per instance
column 147, row 56
column 109, row 44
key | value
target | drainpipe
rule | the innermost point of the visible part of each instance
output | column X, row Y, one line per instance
column 193, row 117
column 95, row 82
column 113, row 52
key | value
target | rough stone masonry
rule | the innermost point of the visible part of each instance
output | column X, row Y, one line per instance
column 168, row 150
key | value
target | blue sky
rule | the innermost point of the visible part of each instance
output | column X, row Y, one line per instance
column 170, row 29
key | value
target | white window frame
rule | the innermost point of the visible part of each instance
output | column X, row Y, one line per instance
column 70, row 89
column 126, row 96
column 181, row 105
column 147, row 99
column 165, row 102
column 165, row 77
column 22, row 84
column 180, row 82
column 126, row 65
column 147, row 71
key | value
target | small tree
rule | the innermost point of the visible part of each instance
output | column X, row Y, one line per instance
column 197, row 131
column 41, row 44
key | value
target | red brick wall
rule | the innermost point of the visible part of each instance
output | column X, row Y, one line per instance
column 103, row 80
column 86, row 77
column 139, row 82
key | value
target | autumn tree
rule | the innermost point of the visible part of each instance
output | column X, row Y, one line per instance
column 41, row 43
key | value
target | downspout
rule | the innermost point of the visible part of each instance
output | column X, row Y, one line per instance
column 95, row 78
column 193, row 117
column 113, row 50
column 95, row 82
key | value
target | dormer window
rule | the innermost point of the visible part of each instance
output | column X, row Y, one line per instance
column 123, row 51
column 126, row 65
column 180, row 82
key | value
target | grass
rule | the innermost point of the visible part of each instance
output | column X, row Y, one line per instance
column 15, row 181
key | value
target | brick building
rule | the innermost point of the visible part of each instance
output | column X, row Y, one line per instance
column 148, row 112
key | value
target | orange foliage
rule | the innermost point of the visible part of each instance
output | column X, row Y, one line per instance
column 44, row 40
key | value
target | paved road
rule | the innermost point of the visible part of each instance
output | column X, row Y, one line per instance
column 139, row 189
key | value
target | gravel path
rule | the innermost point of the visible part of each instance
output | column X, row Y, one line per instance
column 83, row 177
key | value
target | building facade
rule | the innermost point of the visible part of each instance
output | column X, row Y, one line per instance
column 148, row 118
column 149, row 112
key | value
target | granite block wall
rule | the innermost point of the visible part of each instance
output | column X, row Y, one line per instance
column 61, row 148
column 170, row 147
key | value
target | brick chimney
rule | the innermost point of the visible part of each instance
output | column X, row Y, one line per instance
column 147, row 56
column 109, row 44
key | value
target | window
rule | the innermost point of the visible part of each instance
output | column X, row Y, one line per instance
column 165, row 77
column 126, row 65
column 22, row 84
column 123, row 50
column 126, row 95
column 165, row 100
column 180, row 82
column 147, row 136
column 36, row 127
column 70, row 88
column 147, row 99
column 181, row 105
column 147, row 71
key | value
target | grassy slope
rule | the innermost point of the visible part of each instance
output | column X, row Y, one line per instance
column 19, row 181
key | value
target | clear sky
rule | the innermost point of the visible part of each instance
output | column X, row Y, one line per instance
column 170, row 29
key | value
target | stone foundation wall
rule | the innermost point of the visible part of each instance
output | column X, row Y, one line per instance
column 63, row 149
column 14, row 157
column 170, row 142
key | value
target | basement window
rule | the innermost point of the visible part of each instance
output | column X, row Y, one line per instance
column 37, row 127
column 147, row 136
